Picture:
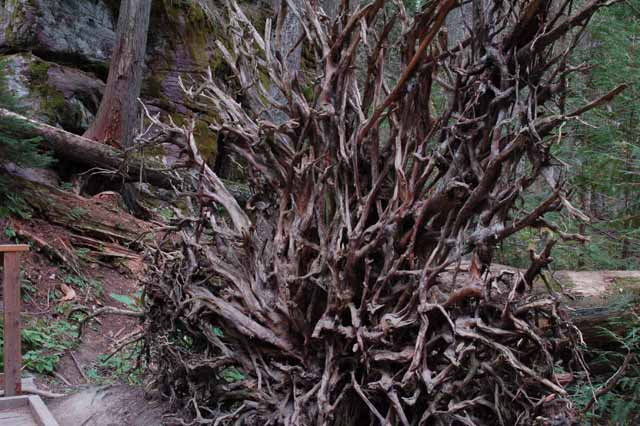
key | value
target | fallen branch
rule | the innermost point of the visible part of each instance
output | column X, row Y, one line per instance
column 107, row 310
column 611, row 382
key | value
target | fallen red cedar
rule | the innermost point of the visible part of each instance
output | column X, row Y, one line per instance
column 602, row 300
column 86, row 216
column 94, row 154
column 598, row 301
column 90, row 153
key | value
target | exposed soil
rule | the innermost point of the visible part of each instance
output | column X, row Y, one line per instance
column 86, row 404
column 107, row 406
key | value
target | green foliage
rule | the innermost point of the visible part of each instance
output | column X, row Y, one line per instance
column 89, row 285
column 621, row 406
column 28, row 288
column 603, row 155
column 126, row 365
column 76, row 213
column 72, row 279
column 124, row 299
column 232, row 375
column 66, row 186
column 9, row 232
column 166, row 213
column 24, row 152
column 43, row 344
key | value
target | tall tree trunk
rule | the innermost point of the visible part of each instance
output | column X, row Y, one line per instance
column 117, row 116
column 290, row 33
column 285, row 42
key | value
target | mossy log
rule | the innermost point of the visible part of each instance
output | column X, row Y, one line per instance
column 90, row 153
column 94, row 217
column 93, row 154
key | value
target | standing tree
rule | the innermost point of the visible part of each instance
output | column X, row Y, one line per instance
column 343, row 293
column 117, row 118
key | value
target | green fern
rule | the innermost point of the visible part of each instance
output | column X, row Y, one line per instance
column 620, row 406
column 24, row 152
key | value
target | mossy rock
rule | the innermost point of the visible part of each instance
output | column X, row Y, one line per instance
column 52, row 93
column 80, row 32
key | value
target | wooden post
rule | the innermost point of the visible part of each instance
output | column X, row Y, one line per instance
column 11, row 299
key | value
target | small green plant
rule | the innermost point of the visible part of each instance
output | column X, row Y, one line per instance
column 11, row 203
column 76, row 213
column 82, row 252
column 43, row 344
column 9, row 232
column 27, row 287
column 166, row 213
column 66, row 186
column 85, row 284
column 75, row 280
column 620, row 406
column 232, row 375
column 97, row 287
column 126, row 366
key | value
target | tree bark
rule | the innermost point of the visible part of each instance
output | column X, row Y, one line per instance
column 86, row 152
column 285, row 43
column 93, row 217
column 81, row 150
column 117, row 117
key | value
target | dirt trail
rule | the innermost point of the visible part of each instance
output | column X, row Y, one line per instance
column 77, row 374
column 102, row 335
column 107, row 406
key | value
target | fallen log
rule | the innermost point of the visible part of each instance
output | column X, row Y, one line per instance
column 93, row 217
column 90, row 153
column 604, row 303
column 53, row 247
column 132, row 167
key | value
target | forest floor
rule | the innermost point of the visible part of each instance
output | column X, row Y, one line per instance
column 102, row 385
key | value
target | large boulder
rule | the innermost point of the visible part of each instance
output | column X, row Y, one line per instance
column 55, row 94
column 61, row 30
column 80, row 35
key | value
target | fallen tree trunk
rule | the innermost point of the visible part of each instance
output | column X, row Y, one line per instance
column 89, row 153
column 132, row 167
column 598, row 300
column 86, row 216
column 605, row 304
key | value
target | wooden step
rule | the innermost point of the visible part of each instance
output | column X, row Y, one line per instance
column 25, row 411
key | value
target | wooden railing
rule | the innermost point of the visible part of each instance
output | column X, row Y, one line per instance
column 11, row 299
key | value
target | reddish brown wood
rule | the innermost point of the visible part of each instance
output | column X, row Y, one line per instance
column 4, row 248
column 11, row 299
column 117, row 117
